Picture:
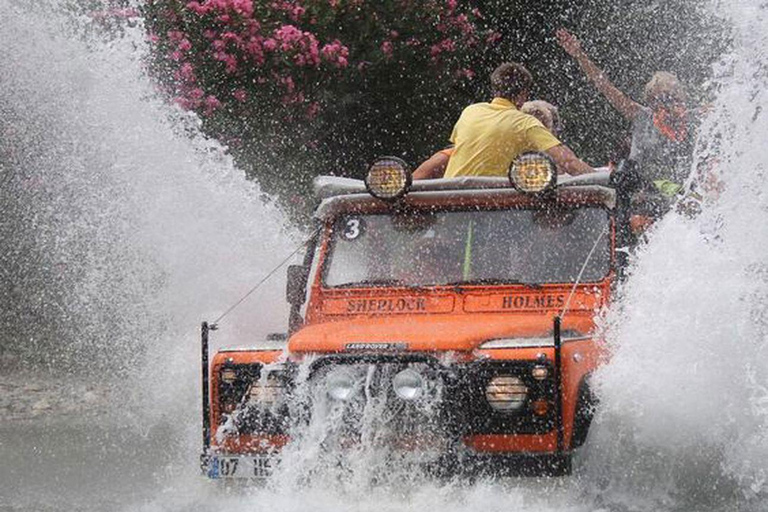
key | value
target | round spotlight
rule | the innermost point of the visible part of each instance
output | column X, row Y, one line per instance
column 540, row 372
column 506, row 393
column 408, row 385
column 388, row 178
column 533, row 172
column 340, row 385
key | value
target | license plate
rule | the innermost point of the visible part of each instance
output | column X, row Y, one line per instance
column 250, row 466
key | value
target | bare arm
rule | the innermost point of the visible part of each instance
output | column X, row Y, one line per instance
column 567, row 161
column 615, row 97
column 432, row 168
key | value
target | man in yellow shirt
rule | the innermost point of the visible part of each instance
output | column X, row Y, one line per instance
column 489, row 136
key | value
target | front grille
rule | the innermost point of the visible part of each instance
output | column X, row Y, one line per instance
column 461, row 407
column 455, row 404
column 375, row 407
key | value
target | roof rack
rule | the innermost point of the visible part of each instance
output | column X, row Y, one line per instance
column 331, row 186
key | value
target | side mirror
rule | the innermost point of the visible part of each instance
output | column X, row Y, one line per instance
column 296, row 284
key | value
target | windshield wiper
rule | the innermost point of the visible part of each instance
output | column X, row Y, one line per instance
column 489, row 281
column 373, row 282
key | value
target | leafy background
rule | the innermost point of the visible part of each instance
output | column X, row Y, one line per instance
column 305, row 87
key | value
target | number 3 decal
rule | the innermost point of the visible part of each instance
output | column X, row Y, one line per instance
column 352, row 229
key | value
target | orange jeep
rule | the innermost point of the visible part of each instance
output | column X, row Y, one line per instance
column 463, row 308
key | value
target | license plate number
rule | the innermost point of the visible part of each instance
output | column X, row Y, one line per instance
column 253, row 466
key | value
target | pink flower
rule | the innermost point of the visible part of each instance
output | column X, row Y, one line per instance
column 289, row 85
column 196, row 93
column 231, row 36
column 297, row 13
column 185, row 45
column 386, row 48
column 231, row 63
column 240, row 95
column 211, row 103
column 187, row 71
column 289, row 36
column 197, row 8
column 269, row 44
column 313, row 109
column 452, row 4
column 176, row 55
column 335, row 53
column 243, row 7
column 493, row 37
column 175, row 35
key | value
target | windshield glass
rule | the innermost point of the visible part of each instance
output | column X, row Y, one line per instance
column 455, row 247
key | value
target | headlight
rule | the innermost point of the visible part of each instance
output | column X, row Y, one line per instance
column 388, row 178
column 533, row 172
column 506, row 393
column 408, row 385
column 340, row 385
column 267, row 391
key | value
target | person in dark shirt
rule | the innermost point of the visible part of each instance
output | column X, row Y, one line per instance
column 662, row 127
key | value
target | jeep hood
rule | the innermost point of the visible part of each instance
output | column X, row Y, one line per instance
column 427, row 332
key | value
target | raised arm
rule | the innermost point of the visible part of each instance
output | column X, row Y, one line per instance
column 567, row 161
column 615, row 97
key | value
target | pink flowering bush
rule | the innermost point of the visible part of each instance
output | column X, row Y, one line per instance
column 302, row 87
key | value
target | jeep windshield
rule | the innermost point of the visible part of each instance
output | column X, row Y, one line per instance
column 522, row 246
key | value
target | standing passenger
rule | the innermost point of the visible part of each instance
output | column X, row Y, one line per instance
column 662, row 138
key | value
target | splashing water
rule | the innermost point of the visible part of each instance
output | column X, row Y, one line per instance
column 684, row 417
column 135, row 228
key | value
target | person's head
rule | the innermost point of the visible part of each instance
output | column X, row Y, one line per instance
column 512, row 81
column 545, row 112
column 664, row 90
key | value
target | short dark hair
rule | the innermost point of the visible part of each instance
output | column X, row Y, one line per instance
column 511, row 79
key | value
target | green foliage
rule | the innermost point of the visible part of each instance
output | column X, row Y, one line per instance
column 298, row 88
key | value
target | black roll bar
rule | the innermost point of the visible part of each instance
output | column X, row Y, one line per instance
column 205, row 329
column 558, row 386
